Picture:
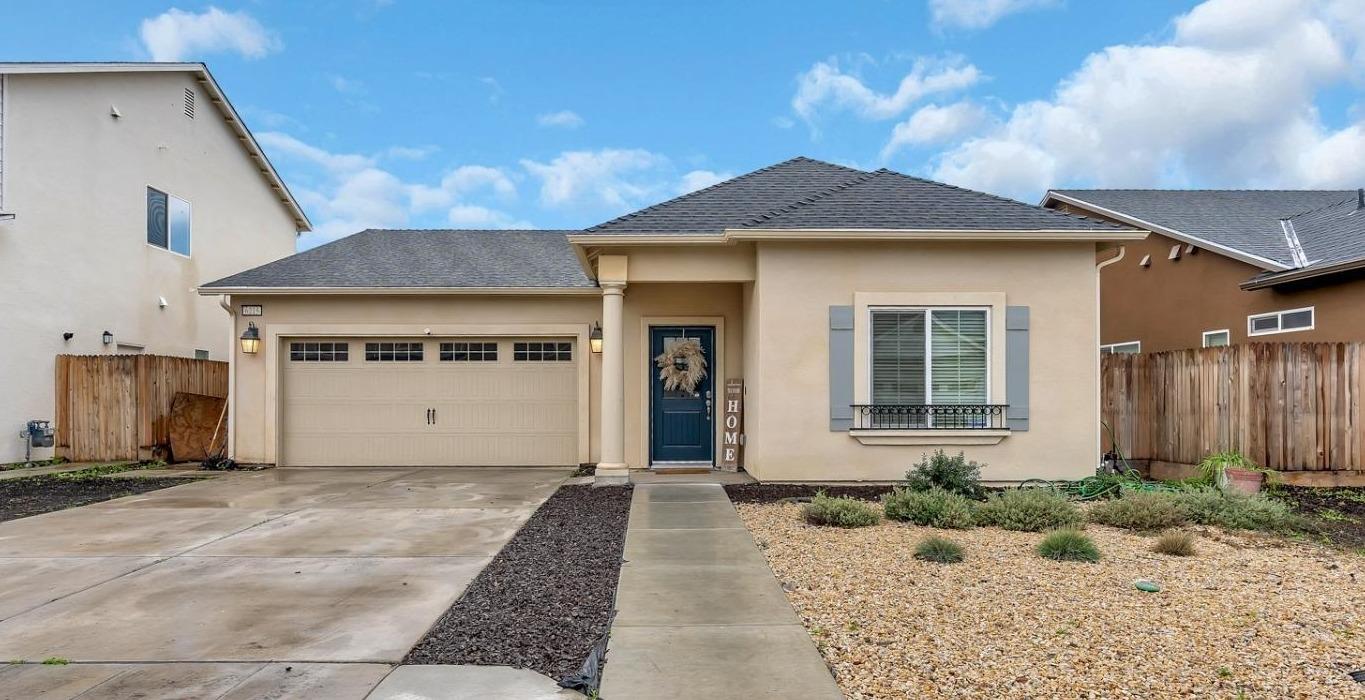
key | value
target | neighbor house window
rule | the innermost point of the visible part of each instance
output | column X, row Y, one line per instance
column 201, row 354
column 1280, row 321
column 469, row 352
column 1216, row 339
column 930, row 356
column 1131, row 347
column 319, row 352
column 168, row 221
column 542, row 352
column 393, row 352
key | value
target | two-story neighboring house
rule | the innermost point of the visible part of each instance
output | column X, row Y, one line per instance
column 122, row 187
column 1229, row 266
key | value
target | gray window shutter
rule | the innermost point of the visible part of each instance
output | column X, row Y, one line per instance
column 840, row 368
column 1016, row 367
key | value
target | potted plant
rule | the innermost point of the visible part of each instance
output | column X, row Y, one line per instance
column 1231, row 470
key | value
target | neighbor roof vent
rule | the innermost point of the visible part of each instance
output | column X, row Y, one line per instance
column 1175, row 252
column 1146, row 261
column 189, row 103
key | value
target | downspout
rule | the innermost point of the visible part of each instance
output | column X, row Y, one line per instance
column 1099, row 385
column 225, row 301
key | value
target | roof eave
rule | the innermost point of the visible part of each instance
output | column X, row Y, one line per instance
column 401, row 291
column 1302, row 274
column 734, row 235
column 216, row 95
column 1254, row 260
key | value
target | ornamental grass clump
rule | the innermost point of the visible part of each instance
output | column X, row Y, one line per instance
column 839, row 512
column 1068, row 545
column 1175, row 543
column 1145, row 511
column 938, row 549
column 952, row 474
column 933, row 508
column 1029, row 510
column 1235, row 511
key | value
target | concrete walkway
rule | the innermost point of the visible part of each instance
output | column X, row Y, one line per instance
column 700, row 613
column 247, row 585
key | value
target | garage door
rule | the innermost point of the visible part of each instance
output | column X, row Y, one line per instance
column 429, row 402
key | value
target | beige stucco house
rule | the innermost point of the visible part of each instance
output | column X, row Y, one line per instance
column 843, row 322
column 122, row 187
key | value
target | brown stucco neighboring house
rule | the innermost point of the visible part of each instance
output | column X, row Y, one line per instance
column 1229, row 266
column 870, row 317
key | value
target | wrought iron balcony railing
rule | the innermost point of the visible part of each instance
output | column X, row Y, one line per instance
column 929, row 417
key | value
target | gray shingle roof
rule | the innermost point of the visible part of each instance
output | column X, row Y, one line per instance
column 890, row 200
column 803, row 193
column 1244, row 220
column 726, row 204
column 433, row 258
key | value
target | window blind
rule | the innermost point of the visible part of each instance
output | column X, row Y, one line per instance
column 929, row 356
column 958, row 365
column 898, row 355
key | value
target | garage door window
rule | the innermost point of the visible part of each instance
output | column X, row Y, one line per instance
column 469, row 352
column 393, row 352
column 542, row 352
column 319, row 352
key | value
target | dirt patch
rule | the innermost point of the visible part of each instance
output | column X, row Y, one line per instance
column 547, row 597
column 1248, row 616
column 772, row 493
column 32, row 495
column 1338, row 515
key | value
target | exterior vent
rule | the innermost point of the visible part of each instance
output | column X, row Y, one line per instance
column 1175, row 252
column 1146, row 261
column 189, row 103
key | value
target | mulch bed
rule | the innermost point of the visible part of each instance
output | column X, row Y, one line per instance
column 547, row 597
column 32, row 495
column 771, row 493
column 1337, row 514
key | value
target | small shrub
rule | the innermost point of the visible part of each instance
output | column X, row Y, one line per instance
column 1140, row 510
column 938, row 549
column 932, row 508
column 1029, row 510
column 1175, row 543
column 952, row 474
column 1235, row 511
column 839, row 512
column 1068, row 545
column 55, row 661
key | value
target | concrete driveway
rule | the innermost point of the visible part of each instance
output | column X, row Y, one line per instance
column 282, row 583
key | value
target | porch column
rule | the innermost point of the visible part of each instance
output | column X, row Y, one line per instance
column 612, row 468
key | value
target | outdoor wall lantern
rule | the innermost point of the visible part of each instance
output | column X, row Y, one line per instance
column 251, row 339
column 107, row 337
column 595, row 339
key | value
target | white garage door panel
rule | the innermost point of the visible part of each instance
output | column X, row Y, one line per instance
column 360, row 413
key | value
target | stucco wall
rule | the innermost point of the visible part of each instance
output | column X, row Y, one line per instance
column 796, row 285
column 75, row 259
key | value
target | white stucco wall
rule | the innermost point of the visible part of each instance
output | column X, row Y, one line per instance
column 75, row 259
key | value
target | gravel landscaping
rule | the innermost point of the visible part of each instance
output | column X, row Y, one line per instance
column 1253, row 616
column 548, row 596
column 32, row 495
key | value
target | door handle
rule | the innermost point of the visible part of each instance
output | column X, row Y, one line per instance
column 708, row 409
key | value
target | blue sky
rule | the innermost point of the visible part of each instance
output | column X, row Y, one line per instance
column 561, row 115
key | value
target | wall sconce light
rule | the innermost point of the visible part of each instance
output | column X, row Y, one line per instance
column 595, row 339
column 251, row 339
column 107, row 337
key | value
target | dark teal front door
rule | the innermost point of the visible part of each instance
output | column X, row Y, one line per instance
column 681, row 423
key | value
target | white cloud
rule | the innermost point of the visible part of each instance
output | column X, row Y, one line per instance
column 563, row 119
column 348, row 192
column 346, row 86
column 176, row 35
column 1229, row 100
column 409, row 152
column 826, row 86
column 698, row 179
column 609, row 177
column 979, row 14
column 934, row 124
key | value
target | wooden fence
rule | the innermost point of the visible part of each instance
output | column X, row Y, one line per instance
column 1287, row 406
column 118, row 406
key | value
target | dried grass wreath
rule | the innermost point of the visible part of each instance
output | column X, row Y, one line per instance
column 682, row 365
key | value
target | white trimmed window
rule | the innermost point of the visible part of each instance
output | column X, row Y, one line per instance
column 1131, row 347
column 393, row 352
column 930, row 356
column 1281, row 321
column 168, row 222
column 318, row 352
column 469, row 352
column 1216, row 339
